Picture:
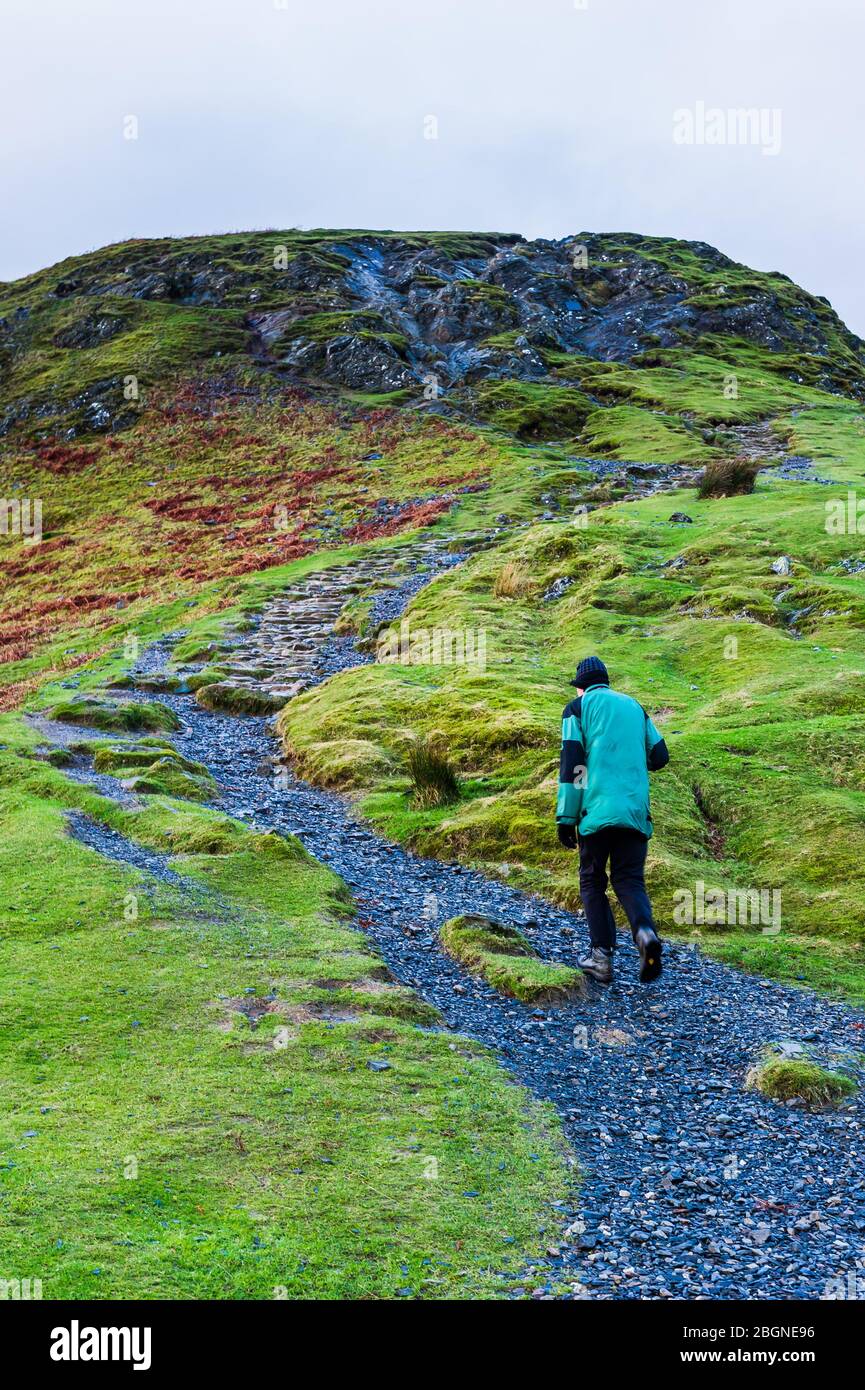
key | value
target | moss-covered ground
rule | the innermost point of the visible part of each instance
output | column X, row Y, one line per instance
column 223, row 1096
column 755, row 677
column 801, row 1079
column 504, row 957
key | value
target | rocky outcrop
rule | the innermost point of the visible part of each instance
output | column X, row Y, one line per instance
column 434, row 312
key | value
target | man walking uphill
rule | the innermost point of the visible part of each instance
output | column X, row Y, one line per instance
column 609, row 747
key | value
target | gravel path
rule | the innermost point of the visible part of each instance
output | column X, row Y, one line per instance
column 115, row 846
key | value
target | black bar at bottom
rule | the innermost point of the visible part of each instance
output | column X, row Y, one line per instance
column 243, row 1338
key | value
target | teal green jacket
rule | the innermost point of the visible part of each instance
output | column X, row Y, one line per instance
column 609, row 747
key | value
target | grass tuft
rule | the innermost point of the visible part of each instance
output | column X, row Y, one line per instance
column 793, row 1078
column 506, row 960
column 433, row 779
column 728, row 478
column 514, row 581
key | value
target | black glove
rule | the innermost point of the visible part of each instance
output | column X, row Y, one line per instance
column 567, row 835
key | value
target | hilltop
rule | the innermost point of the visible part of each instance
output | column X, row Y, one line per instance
column 383, row 312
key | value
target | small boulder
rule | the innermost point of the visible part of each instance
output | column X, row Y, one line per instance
column 557, row 589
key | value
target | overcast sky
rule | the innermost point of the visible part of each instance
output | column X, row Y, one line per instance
column 550, row 117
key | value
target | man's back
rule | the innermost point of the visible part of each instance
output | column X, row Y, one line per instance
column 612, row 739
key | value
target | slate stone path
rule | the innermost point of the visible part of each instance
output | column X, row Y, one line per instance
column 292, row 645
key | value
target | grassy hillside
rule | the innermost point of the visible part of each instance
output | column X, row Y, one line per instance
column 209, row 484
column 764, row 723
column 206, row 420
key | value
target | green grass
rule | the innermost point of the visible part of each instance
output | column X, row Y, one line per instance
column 165, row 775
column 129, row 716
column 232, row 1100
column 353, row 617
column 506, row 960
column 629, row 432
column 722, row 382
column 793, row 1078
column 118, row 759
column 532, row 410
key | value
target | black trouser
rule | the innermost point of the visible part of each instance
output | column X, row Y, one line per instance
column 626, row 851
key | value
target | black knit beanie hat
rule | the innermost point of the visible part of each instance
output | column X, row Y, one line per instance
column 591, row 671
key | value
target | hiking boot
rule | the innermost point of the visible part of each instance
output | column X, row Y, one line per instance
column 598, row 964
column 649, row 945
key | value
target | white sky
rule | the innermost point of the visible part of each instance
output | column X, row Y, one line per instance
column 552, row 119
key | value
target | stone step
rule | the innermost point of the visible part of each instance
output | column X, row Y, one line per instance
column 281, row 657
